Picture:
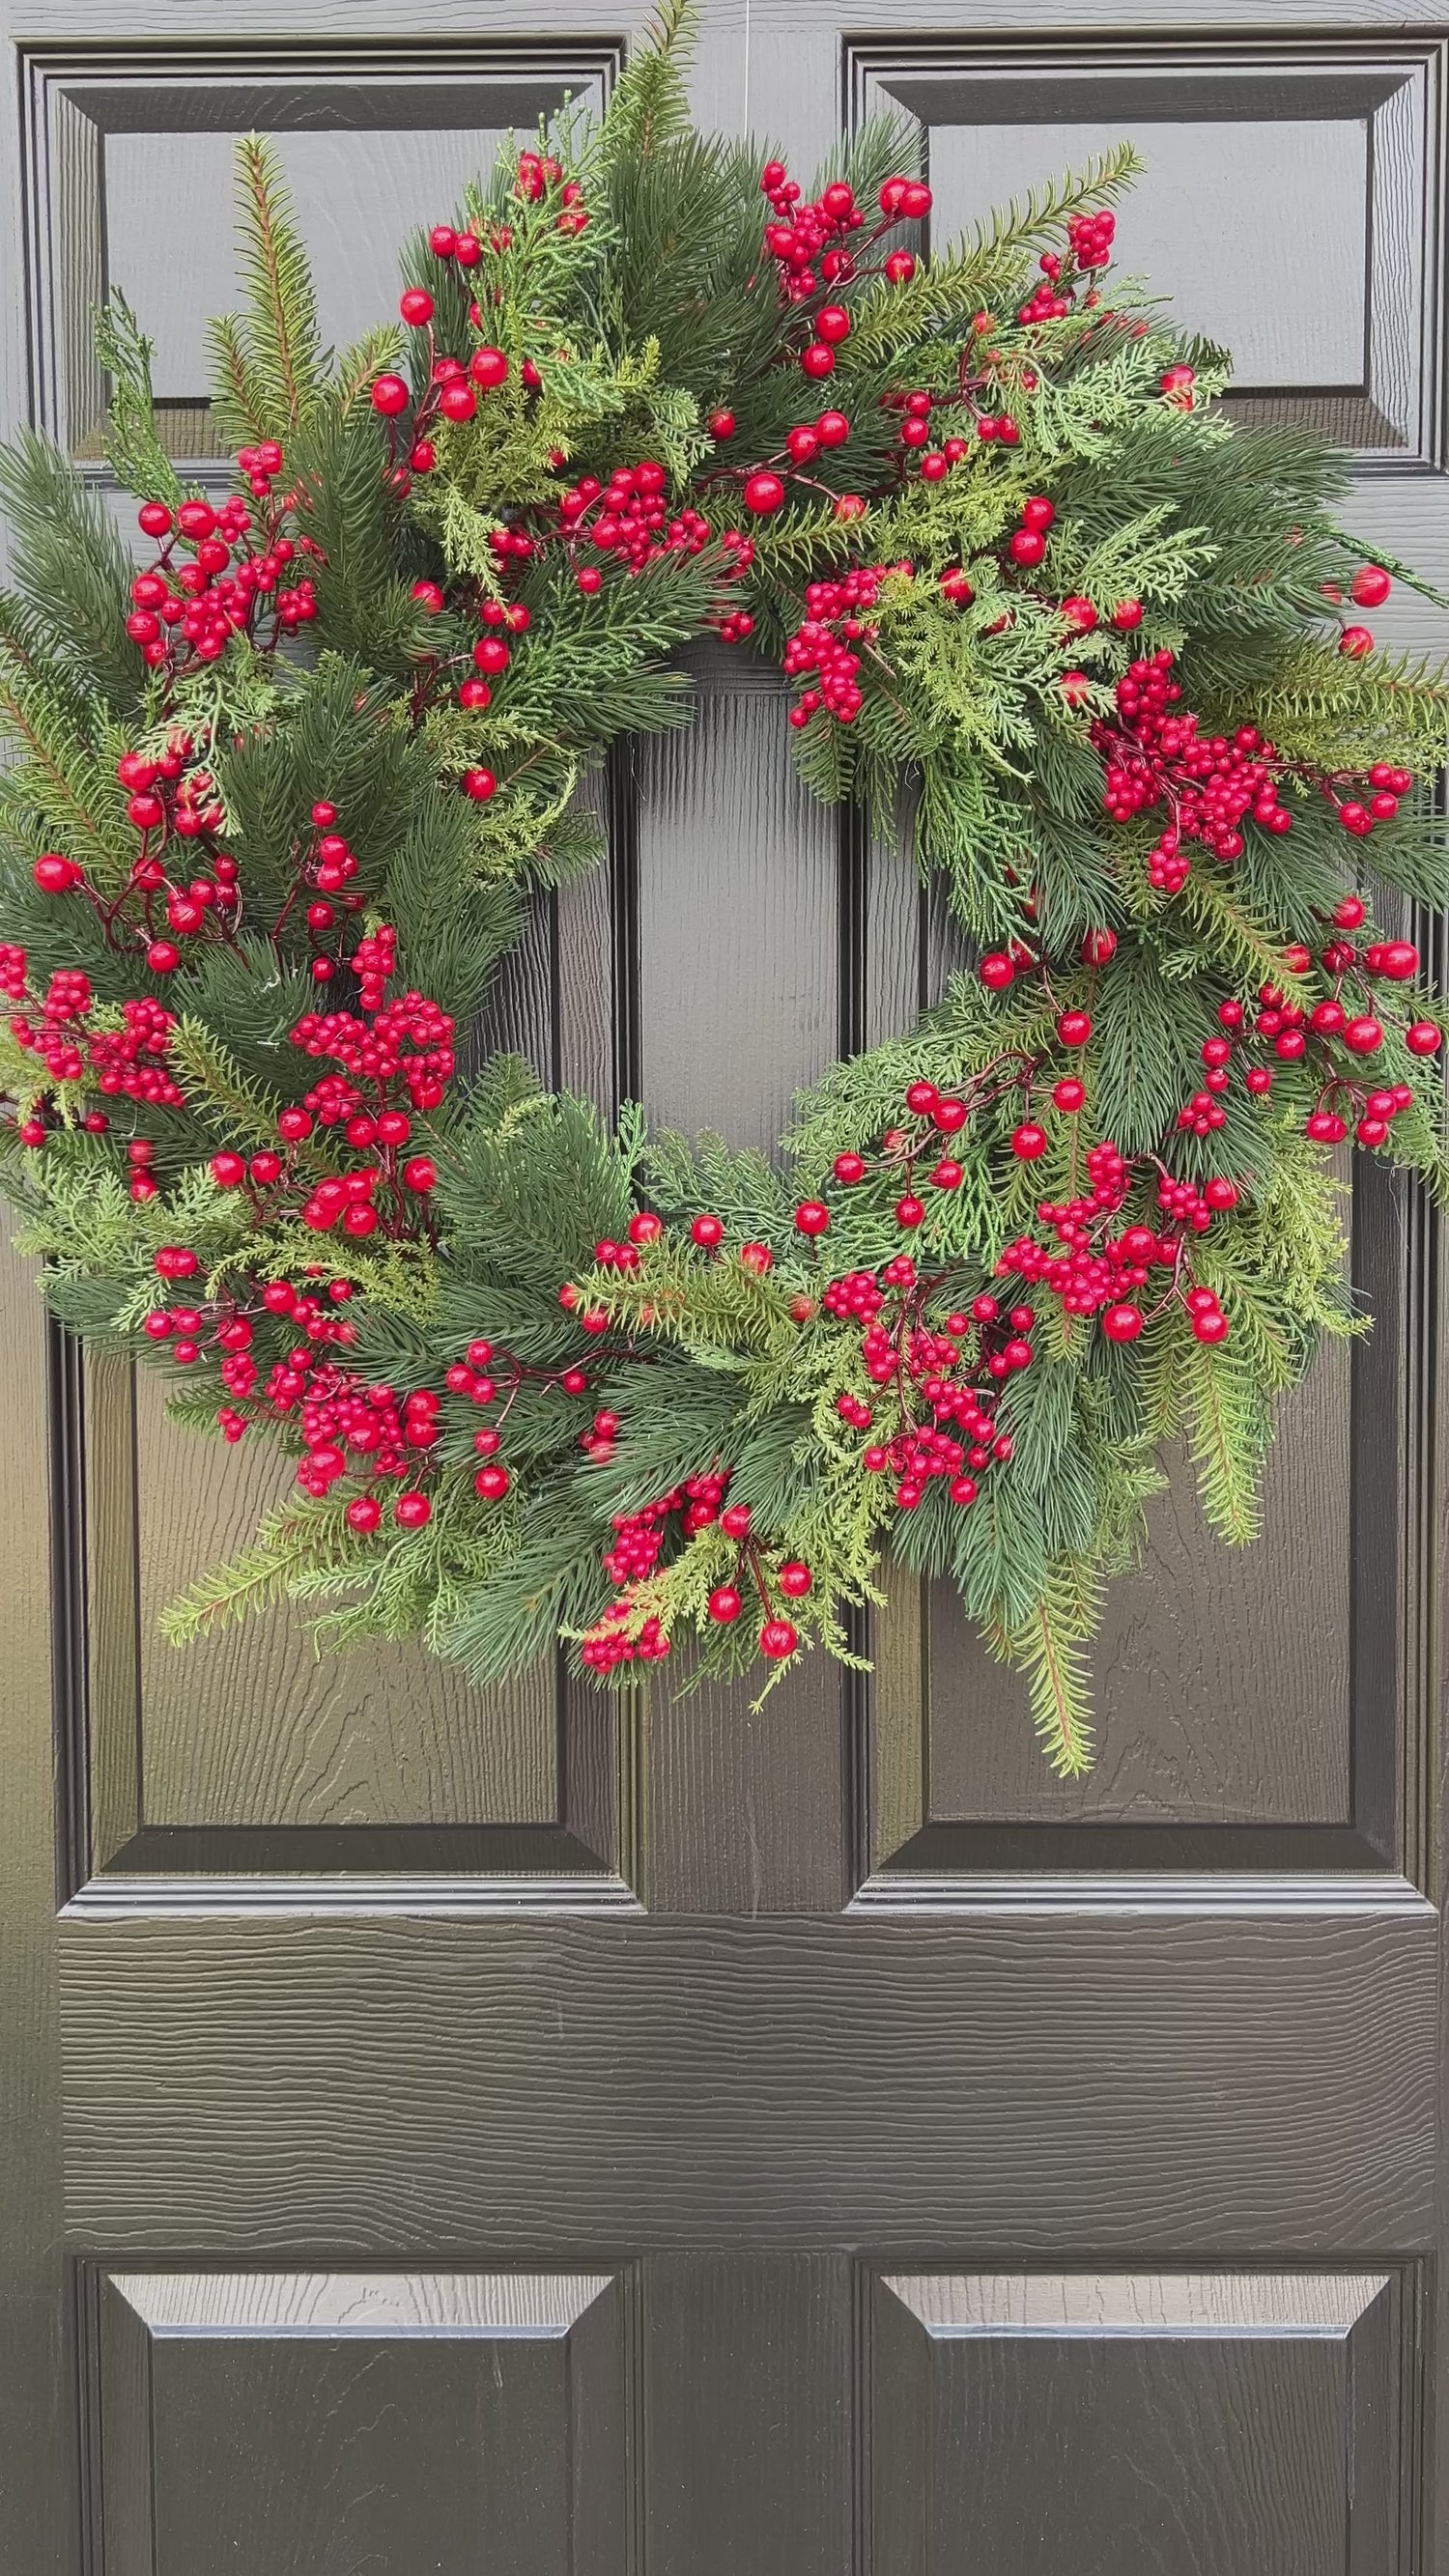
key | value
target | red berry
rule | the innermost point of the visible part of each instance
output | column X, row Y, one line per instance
column 154, row 518
column 849, row 1168
column 492, row 1483
column 1098, row 947
column 1069, row 1095
column 1422, row 1037
column 1370, row 586
column 818, row 360
column 832, row 429
column 645, row 1227
column 996, row 971
column 734, row 1520
column 721, row 424
column 488, row 367
column 1126, row 615
column 412, row 1511
column 794, row 1580
column 1355, row 641
column 725, row 1603
column 162, row 958
column 763, row 493
column 1211, row 1325
column 1122, row 1323
column 228, row 1170
column 832, row 322
column 1027, row 546
column 480, row 784
column 707, row 1231
column 420, row 1174
column 416, row 306
column 363, row 1513
column 812, row 1217
column 457, row 401
column 55, row 875
column 778, row 1639
column 1029, row 1141
column 1364, row 1036
column 389, row 396
column 1074, row 1028
column 910, row 1211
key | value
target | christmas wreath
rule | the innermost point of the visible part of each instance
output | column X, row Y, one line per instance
column 282, row 776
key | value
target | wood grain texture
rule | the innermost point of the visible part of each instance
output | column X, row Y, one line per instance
column 37, row 2502
column 744, row 1809
column 738, row 891
column 748, row 2391
column 1142, row 2080
column 1214, row 2439
column 474, row 2426
column 254, row 1728
column 1221, row 1674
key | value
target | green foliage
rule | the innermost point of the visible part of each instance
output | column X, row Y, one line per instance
column 636, row 1373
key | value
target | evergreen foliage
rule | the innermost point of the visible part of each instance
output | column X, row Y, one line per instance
column 276, row 794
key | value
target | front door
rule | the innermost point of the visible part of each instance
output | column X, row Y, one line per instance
column 487, row 2134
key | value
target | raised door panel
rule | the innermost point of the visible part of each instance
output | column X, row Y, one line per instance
column 1138, row 2423
column 1268, row 1709
column 288, row 2424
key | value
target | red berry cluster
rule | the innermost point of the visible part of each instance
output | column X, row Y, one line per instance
column 168, row 802
column 824, row 644
column 129, row 1062
column 1209, row 784
column 631, row 521
column 186, row 611
column 945, row 1382
column 1096, row 1270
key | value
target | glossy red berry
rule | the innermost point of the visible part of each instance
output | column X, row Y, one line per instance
column 777, row 1640
column 416, row 306
column 479, row 784
column 832, row 323
column 1355, row 641
column 794, row 1579
column 1422, row 1037
column 228, row 1170
column 1370, row 586
column 55, row 875
column 910, row 1211
column 363, row 1513
column 488, row 367
column 849, row 1168
column 1028, row 1141
column 412, row 1511
column 734, row 1520
column 389, row 396
column 725, row 1604
column 1122, row 1323
column 1364, row 1036
column 721, row 424
column 492, row 1483
column 812, row 1217
column 1074, row 1028
column 707, row 1231
column 818, row 360
column 763, row 493
column 420, row 1174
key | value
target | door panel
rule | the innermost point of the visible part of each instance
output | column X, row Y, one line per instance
column 444, row 2420
column 504, row 2132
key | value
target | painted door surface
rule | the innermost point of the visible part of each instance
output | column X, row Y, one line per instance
column 473, row 2132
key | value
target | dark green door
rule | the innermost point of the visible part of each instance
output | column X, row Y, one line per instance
column 476, row 2134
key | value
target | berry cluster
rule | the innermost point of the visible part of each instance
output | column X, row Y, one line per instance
column 1096, row 1270
column 1209, row 784
column 130, row 1062
column 631, row 519
column 186, row 611
column 836, row 621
